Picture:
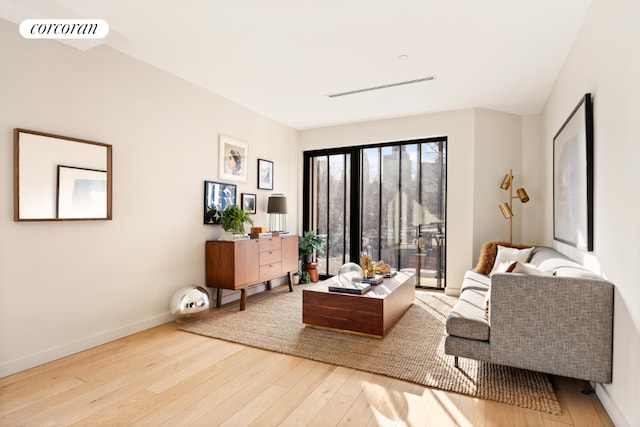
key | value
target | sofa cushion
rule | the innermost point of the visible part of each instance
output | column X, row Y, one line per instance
column 529, row 269
column 473, row 280
column 545, row 258
column 466, row 319
column 506, row 256
column 488, row 255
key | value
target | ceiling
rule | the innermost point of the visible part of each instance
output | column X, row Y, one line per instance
column 282, row 58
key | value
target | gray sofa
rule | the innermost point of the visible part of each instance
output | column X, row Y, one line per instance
column 560, row 324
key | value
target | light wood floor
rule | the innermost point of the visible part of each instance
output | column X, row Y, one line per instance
column 171, row 378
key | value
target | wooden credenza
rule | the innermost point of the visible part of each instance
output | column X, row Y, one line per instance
column 239, row 264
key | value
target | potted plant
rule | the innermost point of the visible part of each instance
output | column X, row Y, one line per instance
column 233, row 219
column 296, row 277
column 304, row 277
column 308, row 244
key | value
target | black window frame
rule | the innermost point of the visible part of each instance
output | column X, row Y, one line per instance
column 355, row 182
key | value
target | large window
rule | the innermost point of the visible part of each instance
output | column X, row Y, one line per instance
column 387, row 200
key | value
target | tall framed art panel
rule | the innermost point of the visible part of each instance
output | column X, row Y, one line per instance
column 573, row 178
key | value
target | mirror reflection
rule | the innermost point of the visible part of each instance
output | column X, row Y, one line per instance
column 60, row 178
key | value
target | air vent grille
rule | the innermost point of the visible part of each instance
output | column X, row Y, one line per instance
column 408, row 82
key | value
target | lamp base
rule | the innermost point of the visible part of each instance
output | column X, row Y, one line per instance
column 278, row 223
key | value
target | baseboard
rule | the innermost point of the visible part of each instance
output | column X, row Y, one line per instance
column 610, row 406
column 54, row 353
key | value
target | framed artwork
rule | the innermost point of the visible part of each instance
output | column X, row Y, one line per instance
column 248, row 202
column 81, row 193
column 233, row 159
column 265, row 174
column 573, row 178
column 217, row 196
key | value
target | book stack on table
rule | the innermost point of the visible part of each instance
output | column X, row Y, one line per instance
column 354, row 288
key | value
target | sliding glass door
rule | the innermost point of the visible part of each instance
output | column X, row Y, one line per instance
column 388, row 200
column 330, row 213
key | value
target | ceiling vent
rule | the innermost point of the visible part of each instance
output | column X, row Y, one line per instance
column 408, row 82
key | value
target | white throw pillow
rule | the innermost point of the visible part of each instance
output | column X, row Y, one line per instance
column 506, row 256
column 530, row 270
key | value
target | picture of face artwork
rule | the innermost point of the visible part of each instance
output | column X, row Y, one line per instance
column 233, row 159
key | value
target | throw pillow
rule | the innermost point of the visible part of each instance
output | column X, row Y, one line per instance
column 489, row 252
column 506, row 256
column 530, row 270
column 486, row 303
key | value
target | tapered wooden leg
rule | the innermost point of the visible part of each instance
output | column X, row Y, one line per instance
column 455, row 361
column 291, row 281
column 243, row 299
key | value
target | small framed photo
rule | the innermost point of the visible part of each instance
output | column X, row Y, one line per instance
column 265, row 174
column 217, row 196
column 233, row 159
column 248, row 202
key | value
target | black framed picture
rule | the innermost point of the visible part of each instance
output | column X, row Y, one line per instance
column 217, row 196
column 573, row 178
column 248, row 202
column 265, row 174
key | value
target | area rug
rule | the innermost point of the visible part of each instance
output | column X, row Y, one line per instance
column 413, row 350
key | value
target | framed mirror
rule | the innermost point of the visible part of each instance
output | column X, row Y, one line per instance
column 59, row 178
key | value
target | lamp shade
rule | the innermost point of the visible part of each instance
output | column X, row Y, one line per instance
column 506, row 182
column 522, row 194
column 277, row 204
column 506, row 210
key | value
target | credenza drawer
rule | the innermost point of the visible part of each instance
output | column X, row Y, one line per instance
column 269, row 243
column 270, row 271
column 270, row 257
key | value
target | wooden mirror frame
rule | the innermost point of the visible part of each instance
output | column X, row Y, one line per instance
column 17, row 175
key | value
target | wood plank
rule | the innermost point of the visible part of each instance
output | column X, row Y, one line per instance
column 173, row 402
column 164, row 376
column 444, row 411
column 394, row 404
column 308, row 380
column 245, row 400
column 114, row 386
column 365, row 406
column 419, row 403
column 318, row 398
column 499, row 414
column 471, row 412
column 579, row 406
column 218, row 389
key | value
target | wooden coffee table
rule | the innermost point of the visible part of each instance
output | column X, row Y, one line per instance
column 372, row 313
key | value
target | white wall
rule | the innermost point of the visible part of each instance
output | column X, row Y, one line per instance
column 472, row 188
column 605, row 60
column 67, row 286
column 533, row 179
column 497, row 149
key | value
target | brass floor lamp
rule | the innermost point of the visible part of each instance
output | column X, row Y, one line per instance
column 506, row 207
